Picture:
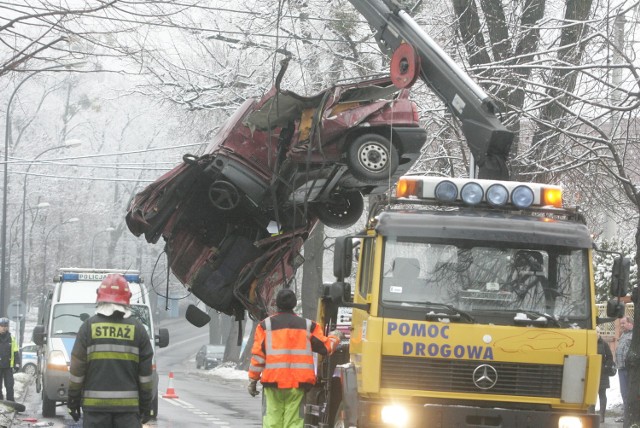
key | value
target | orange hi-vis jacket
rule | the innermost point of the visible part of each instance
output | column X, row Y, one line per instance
column 283, row 347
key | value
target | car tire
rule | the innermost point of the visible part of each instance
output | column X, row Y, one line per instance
column 372, row 158
column 341, row 211
column 29, row 369
column 48, row 407
column 154, row 407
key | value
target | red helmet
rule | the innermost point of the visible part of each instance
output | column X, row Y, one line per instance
column 114, row 289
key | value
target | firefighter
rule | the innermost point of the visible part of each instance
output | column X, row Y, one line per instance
column 110, row 373
column 282, row 360
column 9, row 359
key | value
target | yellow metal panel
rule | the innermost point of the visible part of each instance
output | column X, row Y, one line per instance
column 371, row 357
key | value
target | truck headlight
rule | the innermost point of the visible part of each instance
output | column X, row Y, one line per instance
column 472, row 193
column 446, row 191
column 522, row 197
column 570, row 422
column 394, row 415
column 497, row 195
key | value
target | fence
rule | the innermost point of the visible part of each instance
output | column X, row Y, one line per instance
column 611, row 330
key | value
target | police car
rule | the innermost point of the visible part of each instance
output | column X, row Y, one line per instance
column 29, row 355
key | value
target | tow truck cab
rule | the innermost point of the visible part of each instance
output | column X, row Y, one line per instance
column 473, row 305
column 71, row 301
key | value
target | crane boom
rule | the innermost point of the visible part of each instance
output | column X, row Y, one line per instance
column 488, row 139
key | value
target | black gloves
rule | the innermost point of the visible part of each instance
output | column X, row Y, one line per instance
column 74, row 412
column 252, row 388
column 145, row 416
column 74, row 408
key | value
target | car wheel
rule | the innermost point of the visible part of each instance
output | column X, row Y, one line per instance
column 48, row 407
column 372, row 158
column 224, row 195
column 341, row 211
column 29, row 369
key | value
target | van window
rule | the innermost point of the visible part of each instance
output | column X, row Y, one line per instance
column 68, row 317
column 142, row 314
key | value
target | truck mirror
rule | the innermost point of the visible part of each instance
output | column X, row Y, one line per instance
column 615, row 308
column 38, row 335
column 342, row 257
column 340, row 293
column 620, row 276
column 197, row 316
column 162, row 338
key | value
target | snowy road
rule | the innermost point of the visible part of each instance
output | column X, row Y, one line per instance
column 207, row 398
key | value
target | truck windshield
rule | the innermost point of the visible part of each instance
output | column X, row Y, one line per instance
column 68, row 317
column 494, row 281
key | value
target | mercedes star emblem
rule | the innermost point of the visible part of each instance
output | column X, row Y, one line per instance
column 485, row 376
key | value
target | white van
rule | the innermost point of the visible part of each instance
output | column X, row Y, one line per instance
column 72, row 301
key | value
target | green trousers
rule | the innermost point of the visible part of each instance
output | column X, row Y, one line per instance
column 282, row 408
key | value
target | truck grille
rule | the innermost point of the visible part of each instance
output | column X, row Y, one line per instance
column 535, row 380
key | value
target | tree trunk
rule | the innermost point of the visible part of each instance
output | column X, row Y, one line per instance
column 562, row 84
column 632, row 363
column 312, row 272
column 245, row 358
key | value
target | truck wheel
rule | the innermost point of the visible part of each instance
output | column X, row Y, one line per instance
column 341, row 211
column 372, row 158
column 48, row 407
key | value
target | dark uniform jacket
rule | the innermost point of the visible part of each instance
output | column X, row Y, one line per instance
column 111, row 365
column 9, row 352
column 607, row 361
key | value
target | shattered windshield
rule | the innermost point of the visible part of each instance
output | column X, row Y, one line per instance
column 536, row 284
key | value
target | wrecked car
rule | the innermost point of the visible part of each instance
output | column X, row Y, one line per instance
column 282, row 159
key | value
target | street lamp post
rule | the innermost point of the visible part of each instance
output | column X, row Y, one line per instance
column 44, row 261
column 93, row 242
column 4, row 292
column 38, row 207
column 41, row 205
column 67, row 144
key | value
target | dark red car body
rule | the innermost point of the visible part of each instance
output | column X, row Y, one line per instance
column 283, row 159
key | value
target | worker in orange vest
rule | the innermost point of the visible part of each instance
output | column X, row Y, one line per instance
column 282, row 360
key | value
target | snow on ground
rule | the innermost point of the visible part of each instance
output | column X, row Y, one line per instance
column 614, row 399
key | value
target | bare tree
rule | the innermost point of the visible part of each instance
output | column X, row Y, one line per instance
column 574, row 96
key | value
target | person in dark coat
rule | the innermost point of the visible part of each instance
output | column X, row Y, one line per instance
column 111, row 363
column 9, row 359
column 607, row 364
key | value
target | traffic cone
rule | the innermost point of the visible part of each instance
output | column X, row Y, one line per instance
column 171, row 393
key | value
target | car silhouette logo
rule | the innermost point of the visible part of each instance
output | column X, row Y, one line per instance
column 485, row 376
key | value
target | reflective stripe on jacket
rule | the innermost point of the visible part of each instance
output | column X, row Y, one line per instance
column 283, row 347
column 111, row 365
